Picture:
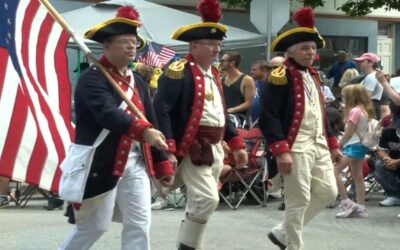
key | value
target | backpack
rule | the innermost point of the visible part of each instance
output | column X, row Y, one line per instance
column 371, row 134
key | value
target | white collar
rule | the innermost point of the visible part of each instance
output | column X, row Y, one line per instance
column 206, row 73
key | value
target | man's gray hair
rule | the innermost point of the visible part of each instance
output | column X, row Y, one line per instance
column 292, row 48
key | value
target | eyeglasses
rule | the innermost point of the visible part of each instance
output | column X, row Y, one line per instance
column 126, row 42
column 211, row 45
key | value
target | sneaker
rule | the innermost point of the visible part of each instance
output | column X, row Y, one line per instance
column 347, row 209
column 359, row 213
column 159, row 203
column 390, row 201
column 4, row 200
column 275, row 195
column 398, row 216
column 275, row 184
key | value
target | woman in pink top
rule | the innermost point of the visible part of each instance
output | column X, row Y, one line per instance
column 358, row 111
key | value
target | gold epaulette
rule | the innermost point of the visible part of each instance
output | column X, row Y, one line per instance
column 175, row 69
column 278, row 76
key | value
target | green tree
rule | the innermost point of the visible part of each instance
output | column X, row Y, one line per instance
column 364, row 7
column 350, row 7
column 246, row 3
column 237, row 3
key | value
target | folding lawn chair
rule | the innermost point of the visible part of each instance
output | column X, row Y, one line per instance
column 23, row 194
column 248, row 180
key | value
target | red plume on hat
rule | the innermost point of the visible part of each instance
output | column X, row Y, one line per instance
column 128, row 12
column 210, row 10
column 305, row 32
column 304, row 17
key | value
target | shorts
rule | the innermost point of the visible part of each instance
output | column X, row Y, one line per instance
column 356, row 151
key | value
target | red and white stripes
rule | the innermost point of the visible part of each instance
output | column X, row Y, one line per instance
column 35, row 127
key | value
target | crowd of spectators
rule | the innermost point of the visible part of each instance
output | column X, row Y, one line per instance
column 243, row 98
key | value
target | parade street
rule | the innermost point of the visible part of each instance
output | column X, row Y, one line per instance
column 33, row 227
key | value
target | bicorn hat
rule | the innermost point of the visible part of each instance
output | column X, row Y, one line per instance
column 126, row 21
column 210, row 28
column 304, row 17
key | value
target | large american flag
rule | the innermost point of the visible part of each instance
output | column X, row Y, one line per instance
column 154, row 54
column 35, row 98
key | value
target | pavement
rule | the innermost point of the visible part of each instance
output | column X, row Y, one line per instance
column 35, row 228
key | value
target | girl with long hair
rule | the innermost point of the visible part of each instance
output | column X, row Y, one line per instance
column 358, row 111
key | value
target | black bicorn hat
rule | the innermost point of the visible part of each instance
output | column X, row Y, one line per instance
column 210, row 28
column 306, row 31
column 126, row 21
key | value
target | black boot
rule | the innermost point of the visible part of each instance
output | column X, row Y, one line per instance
column 69, row 212
column 184, row 247
column 54, row 203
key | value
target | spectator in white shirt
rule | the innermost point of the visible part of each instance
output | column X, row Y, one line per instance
column 329, row 98
column 368, row 63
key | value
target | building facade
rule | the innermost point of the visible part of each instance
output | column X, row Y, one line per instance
column 378, row 32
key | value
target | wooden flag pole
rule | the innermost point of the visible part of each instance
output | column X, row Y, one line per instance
column 92, row 58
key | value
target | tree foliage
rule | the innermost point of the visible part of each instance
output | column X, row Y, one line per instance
column 237, row 3
column 350, row 7
column 364, row 7
column 312, row 3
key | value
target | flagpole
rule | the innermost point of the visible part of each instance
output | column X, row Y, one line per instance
column 92, row 58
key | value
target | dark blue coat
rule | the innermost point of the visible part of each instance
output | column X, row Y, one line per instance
column 282, row 108
column 96, row 107
column 175, row 104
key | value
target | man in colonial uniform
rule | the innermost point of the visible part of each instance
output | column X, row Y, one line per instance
column 293, row 122
column 119, row 175
column 190, row 108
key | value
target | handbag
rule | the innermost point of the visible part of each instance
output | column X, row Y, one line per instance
column 75, row 169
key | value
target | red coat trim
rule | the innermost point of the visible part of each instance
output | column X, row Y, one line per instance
column 279, row 147
column 77, row 206
column 298, row 113
column 162, row 169
column 332, row 143
column 137, row 128
column 215, row 73
column 124, row 146
column 198, row 106
column 299, row 103
column 197, row 110
column 171, row 146
column 236, row 143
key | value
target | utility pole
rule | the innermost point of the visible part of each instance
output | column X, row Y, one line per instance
column 269, row 29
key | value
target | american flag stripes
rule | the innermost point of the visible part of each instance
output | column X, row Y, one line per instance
column 35, row 98
column 156, row 55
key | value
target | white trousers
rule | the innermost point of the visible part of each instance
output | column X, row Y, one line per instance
column 308, row 189
column 133, row 198
column 201, row 184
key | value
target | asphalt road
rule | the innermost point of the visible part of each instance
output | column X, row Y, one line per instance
column 33, row 227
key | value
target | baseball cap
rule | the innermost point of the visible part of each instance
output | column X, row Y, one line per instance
column 368, row 56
